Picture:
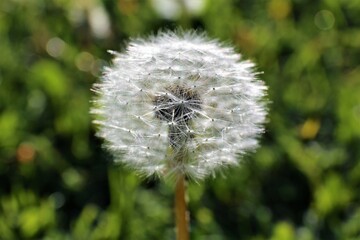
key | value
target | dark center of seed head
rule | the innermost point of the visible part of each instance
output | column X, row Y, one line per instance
column 177, row 107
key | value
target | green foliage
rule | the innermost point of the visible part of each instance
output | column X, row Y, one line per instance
column 57, row 182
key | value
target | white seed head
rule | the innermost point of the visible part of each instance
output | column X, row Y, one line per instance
column 179, row 102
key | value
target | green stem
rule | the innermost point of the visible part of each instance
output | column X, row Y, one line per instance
column 182, row 225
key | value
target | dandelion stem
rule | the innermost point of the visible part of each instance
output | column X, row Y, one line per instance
column 182, row 228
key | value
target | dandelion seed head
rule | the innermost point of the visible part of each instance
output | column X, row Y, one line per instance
column 179, row 102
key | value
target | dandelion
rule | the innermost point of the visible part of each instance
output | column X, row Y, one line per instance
column 179, row 104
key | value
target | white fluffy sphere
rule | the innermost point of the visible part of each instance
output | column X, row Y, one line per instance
column 179, row 103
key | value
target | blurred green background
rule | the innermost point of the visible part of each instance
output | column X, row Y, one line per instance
column 58, row 183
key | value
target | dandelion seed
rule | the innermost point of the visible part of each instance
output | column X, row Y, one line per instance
column 179, row 95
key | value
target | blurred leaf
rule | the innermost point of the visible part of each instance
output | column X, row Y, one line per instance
column 84, row 224
column 24, row 211
column 351, row 228
column 9, row 128
column 48, row 76
column 73, row 179
column 348, row 108
column 108, row 226
column 283, row 231
column 333, row 194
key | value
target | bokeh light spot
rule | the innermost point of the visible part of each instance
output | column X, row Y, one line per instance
column 97, row 66
column 204, row 215
column 279, row 9
column 167, row 9
column 324, row 20
column 310, row 129
column 55, row 47
column 128, row 7
column 172, row 9
column 99, row 22
column 73, row 179
column 36, row 102
column 84, row 61
column 25, row 153
column 58, row 198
